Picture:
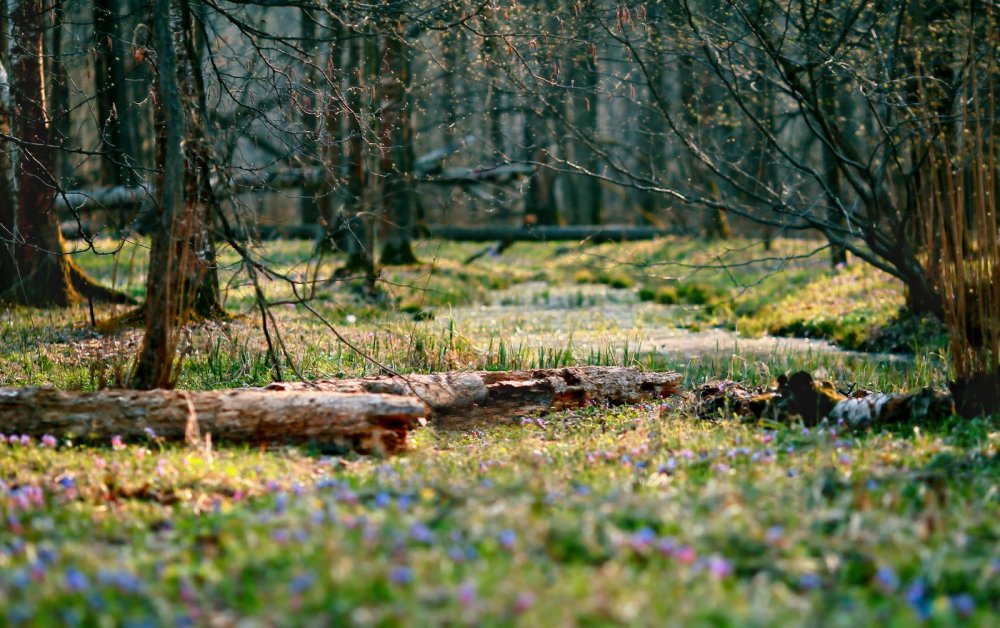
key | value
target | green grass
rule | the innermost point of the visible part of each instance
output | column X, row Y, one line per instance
column 595, row 516
column 634, row 515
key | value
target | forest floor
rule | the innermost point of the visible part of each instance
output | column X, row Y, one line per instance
column 603, row 515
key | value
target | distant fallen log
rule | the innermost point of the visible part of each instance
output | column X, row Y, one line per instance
column 463, row 175
column 134, row 197
column 359, row 422
column 460, row 400
column 594, row 234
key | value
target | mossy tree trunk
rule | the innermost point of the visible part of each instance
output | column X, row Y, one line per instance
column 35, row 269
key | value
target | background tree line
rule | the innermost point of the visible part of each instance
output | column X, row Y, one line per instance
column 871, row 124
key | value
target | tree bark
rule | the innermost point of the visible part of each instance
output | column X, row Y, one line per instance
column 172, row 261
column 353, row 233
column 396, row 164
column 34, row 267
column 112, row 99
column 310, row 204
column 360, row 422
column 460, row 400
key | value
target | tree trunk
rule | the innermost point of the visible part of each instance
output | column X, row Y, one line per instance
column 539, row 202
column 310, row 206
column 360, row 422
column 396, row 164
column 112, row 101
column 584, row 99
column 174, row 267
column 696, row 105
column 34, row 267
column 352, row 233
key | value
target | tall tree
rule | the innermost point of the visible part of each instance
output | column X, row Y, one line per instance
column 182, row 283
column 35, row 268
column 111, row 95
column 587, row 203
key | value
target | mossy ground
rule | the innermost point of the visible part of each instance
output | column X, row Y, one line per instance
column 638, row 515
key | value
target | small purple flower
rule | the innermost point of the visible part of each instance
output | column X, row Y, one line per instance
column 382, row 500
column 302, row 582
column 963, row 604
column 14, row 440
column 420, row 533
column 887, row 580
column 507, row 539
column 916, row 597
column 686, row 554
column 401, row 575
column 117, row 442
column 774, row 534
column 719, row 567
column 76, row 580
column 524, row 601
column 466, row 594
column 280, row 536
column 48, row 440
column 149, row 432
column 809, row 581
column 641, row 541
column 666, row 546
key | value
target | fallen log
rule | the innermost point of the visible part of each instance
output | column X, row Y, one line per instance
column 545, row 233
column 459, row 400
column 801, row 398
column 360, row 422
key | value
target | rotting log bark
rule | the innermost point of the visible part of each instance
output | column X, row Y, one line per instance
column 460, row 400
column 361, row 422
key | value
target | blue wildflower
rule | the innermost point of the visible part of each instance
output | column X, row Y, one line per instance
column 887, row 580
column 507, row 539
column 401, row 575
column 302, row 582
column 420, row 533
column 76, row 580
column 963, row 604
column 809, row 581
column 917, row 598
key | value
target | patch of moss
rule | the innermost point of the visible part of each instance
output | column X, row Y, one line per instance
column 616, row 279
column 698, row 293
column 584, row 276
